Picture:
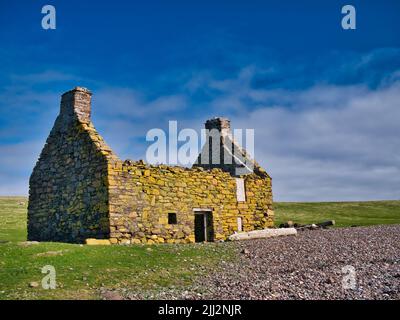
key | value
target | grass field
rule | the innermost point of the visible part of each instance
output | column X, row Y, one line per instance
column 82, row 270
column 345, row 214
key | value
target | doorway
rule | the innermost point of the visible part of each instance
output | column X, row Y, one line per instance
column 203, row 226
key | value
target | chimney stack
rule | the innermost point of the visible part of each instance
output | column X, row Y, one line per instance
column 223, row 125
column 76, row 102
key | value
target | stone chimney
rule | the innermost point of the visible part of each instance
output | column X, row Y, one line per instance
column 76, row 102
column 221, row 151
column 223, row 125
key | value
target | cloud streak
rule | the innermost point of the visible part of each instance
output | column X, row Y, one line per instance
column 327, row 139
column 325, row 152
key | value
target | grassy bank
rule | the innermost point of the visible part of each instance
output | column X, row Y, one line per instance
column 344, row 213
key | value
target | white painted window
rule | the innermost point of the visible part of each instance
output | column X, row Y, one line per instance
column 240, row 193
column 239, row 222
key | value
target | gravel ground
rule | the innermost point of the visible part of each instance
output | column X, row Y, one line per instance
column 309, row 266
column 306, row 266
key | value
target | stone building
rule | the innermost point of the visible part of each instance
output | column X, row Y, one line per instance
column 80, row 189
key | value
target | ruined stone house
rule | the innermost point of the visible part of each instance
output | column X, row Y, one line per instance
column 80, row 189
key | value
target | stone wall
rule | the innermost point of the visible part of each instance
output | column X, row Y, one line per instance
column 141, row 197
column 68, row 197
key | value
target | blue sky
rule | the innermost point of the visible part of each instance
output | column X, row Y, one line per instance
column 324, row 102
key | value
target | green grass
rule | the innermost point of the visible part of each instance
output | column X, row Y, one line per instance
column 344, row 213
column 82, row 270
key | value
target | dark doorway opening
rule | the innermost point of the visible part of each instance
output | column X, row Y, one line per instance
column 203, row 226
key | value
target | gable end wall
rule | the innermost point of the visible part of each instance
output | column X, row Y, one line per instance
column 68, row 188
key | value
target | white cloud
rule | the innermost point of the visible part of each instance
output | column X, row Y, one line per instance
column 129, row 103
column 321, row 143
column 124, row 115
column 344, row 146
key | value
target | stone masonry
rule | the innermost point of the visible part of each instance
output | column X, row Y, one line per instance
column 80, row 189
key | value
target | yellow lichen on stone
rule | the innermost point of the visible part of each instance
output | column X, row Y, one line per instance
column 95, row 242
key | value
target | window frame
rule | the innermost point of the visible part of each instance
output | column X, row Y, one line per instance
column 172, row 218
